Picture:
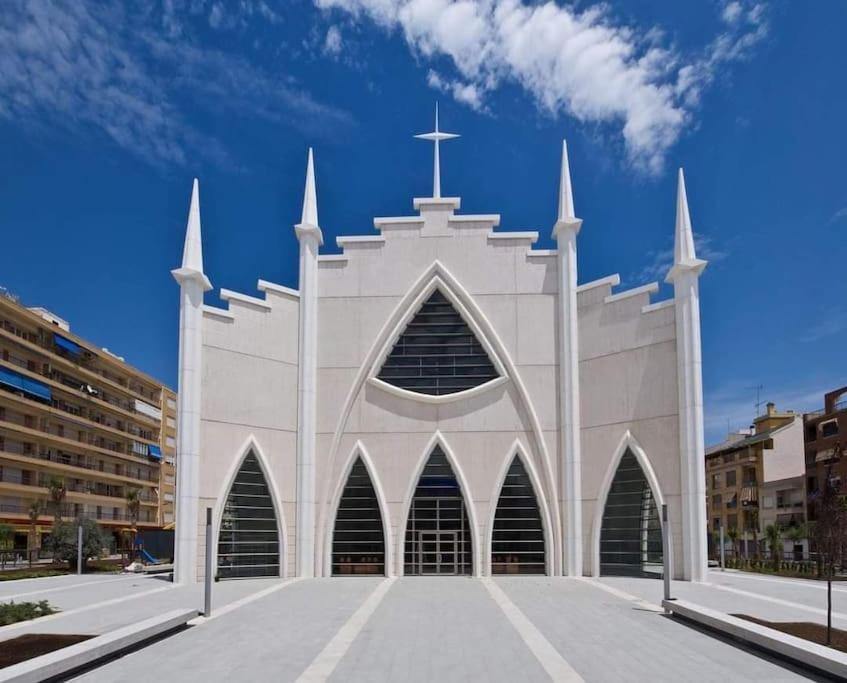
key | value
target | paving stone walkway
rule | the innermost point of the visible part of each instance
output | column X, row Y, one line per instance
column 445, row 629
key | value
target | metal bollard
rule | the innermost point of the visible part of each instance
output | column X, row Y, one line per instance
column 666, row 554
column 207, row 607
column 79, row 549
column 723, row 558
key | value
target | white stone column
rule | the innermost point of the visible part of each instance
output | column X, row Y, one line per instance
column 192, row 284
column 565, row 232
column 310, row 237
column 685, row 276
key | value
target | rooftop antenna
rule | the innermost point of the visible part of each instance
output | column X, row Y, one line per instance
column 758, row 404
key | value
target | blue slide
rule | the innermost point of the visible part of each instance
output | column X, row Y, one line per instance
column 147, row 556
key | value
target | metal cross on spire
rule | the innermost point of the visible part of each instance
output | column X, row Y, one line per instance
column 436, row 136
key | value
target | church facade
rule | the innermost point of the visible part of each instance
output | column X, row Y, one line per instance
column 440, row 398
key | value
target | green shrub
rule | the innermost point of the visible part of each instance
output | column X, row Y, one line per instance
column 63, row 541
column 13, row 612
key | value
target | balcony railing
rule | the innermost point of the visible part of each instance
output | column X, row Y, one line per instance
column 70, row 512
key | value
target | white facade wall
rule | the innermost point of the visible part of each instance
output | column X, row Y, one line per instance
column 627, row 383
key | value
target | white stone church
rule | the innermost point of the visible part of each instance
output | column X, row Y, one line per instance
column 441, row 398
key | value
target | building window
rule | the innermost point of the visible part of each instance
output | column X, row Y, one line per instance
column 631, row 533
column 716, row 524
column 811, row 432
column 248, row 543
column 437, row 353
column 717, row 501
column 829, row 428
column 358, row 541
column 517, row 542
column 716, row 481
column 730, row 478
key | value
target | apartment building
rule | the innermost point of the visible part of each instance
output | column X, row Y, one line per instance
column 826, row 438
column 756, row 478
column 72, row 410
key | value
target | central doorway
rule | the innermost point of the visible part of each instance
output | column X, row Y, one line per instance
column 438, row 533
column 438, row 553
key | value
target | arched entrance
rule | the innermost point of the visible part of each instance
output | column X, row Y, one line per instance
column 517, row 539
column 358, row 539
column 438, row 538
column 248, row 539
column 631, row 531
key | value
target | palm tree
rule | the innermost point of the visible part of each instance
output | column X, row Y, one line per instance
column 34, row 512
column 133, row 505
column 58, row 491
column 7, row 535
column 732, row 533
column 798, row 533
column 773, row 534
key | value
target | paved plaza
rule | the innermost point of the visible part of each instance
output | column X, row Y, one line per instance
column 428, row 628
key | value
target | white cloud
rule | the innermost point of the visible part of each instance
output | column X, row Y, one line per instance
column 839, row 215
column 333, row 41
column 659, row 262
column 581, row 62
column 107, row 68
column 467, row 93
column 732, row 12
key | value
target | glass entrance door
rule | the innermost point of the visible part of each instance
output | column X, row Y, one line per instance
column 438, row 553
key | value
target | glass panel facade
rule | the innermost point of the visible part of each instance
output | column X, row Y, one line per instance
column 437, row 353
column 438, row 534
column 358, row 541
column 517, row 543
column 248, row 543
column 631, row 535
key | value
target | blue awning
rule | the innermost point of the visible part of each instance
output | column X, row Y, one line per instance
column 12, row 379
column 67, row 344
column 154, row 452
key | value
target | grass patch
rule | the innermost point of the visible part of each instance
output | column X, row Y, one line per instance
column 34, row 573
column 13, row 612
column 803, row 629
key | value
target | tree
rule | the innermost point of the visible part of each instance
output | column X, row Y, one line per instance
column 828, row 535
column 58, row 491
column 797, row 533
column 7, row 536
column 34, row 512
column 63, row 541
column 773, row 535
column 133, row 506
column 732, row 533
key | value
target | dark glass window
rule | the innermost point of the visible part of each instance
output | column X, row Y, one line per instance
column 248, row 543
column 631, row 533
column 358, row 542
column 829, row 428
column 438, row 533
column 437, row 353
column 517, row 543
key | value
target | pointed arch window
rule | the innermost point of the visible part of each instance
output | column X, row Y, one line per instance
column 248, row 541
column 631, row 532
column 358, row 540
column 438, row 533
column 438, row 353
column 517, row 540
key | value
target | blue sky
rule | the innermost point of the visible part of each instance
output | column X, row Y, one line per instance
column 108, row 112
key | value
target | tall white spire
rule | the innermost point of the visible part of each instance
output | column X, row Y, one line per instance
column 684, row 256
column 567, row 217
column 566, row 211
column 685, row 276
column 192, row 253
column 436, row 136
column 309, row 218
column 310, row 198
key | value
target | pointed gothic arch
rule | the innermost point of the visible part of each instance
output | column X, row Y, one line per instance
column 409, row 540
column 437, row 275
column 627, row 526
column 517, row 454
column 359, row 455
column 254, row 457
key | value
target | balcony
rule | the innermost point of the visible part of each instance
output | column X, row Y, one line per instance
column 42, row 481
column 71, row 512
